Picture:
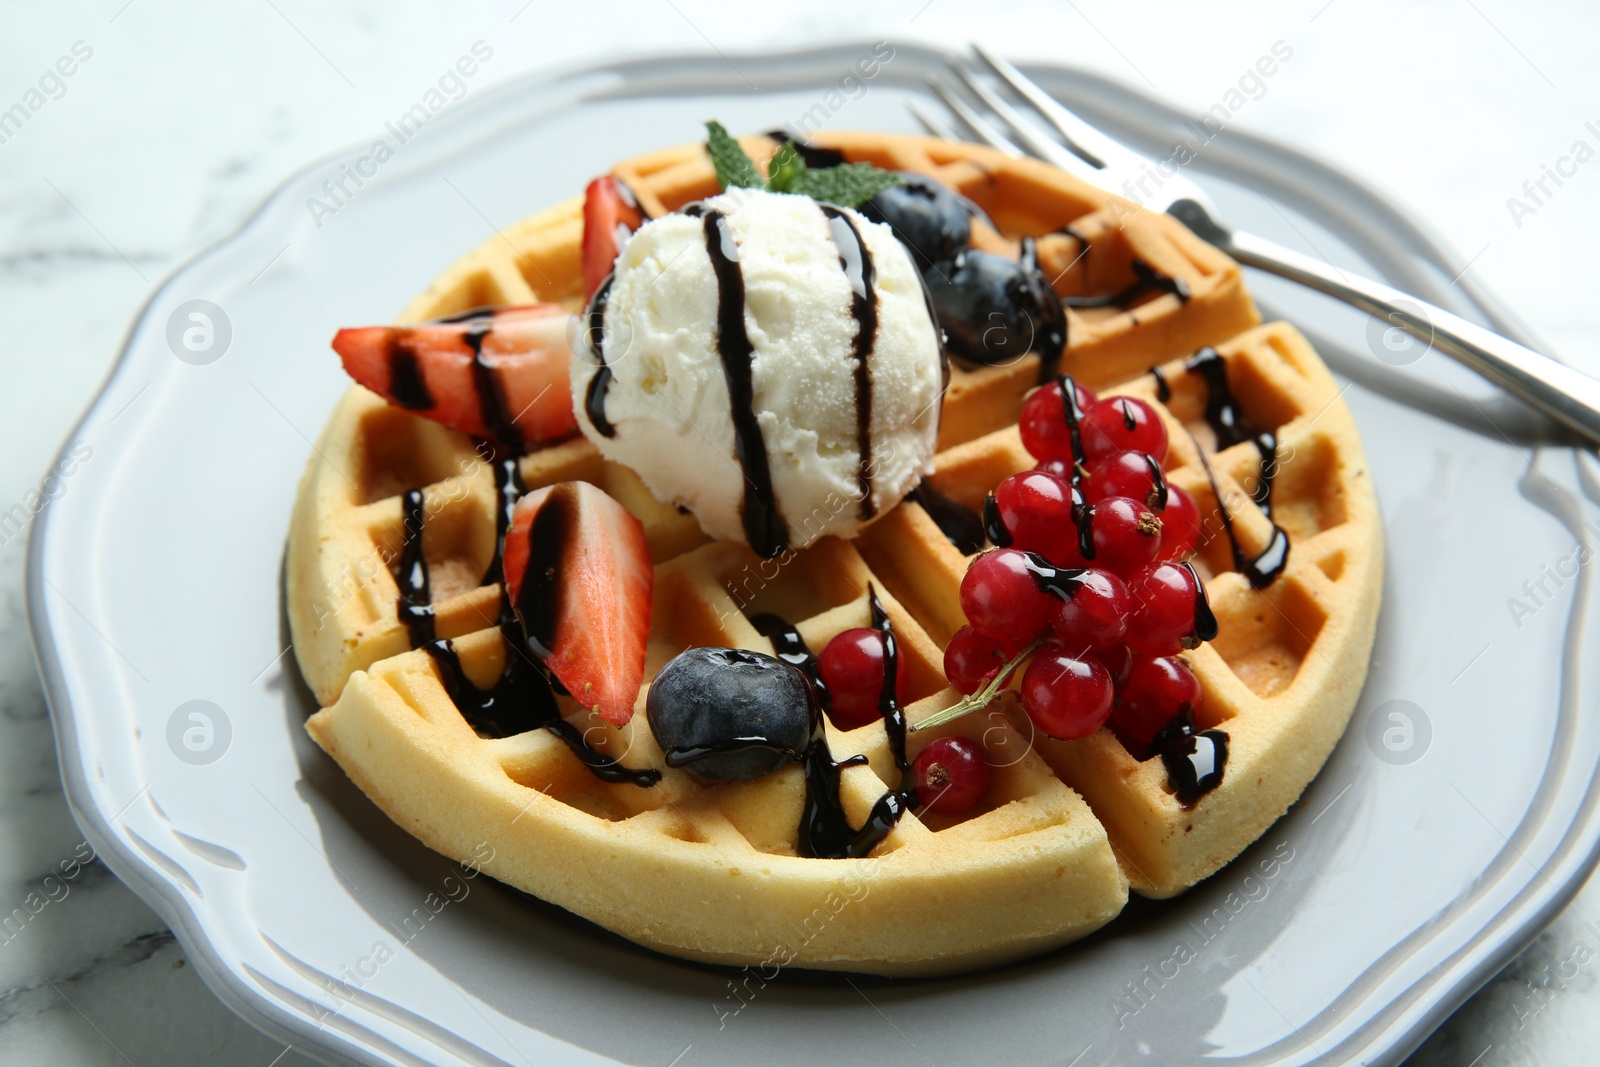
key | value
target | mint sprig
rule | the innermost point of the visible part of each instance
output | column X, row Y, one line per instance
column 734, row 168
column 847, row 185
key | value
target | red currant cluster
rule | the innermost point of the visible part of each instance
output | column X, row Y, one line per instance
column 1090, row 566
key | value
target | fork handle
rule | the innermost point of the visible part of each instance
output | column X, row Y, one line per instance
column 1567, row 395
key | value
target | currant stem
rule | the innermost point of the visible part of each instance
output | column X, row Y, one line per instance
column 983, row 697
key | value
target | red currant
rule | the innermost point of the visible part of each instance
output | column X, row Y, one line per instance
column 1122, row 424
column 1119, row 661
column 1046, row 434
column 1158, row 690
column 1127, row 535
column 971, row 660
column 1066, row 697
column 1036, row 510
column 1002, row 600
column 851, row 667
column 1129, row 474
column 1061, row 468
column 952, row 775
column 1180, row 526
column 1163, row 598
column 1095, row 616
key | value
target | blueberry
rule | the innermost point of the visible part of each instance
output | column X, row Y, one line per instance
column 995, row 310
column 706, row 697
column 932, row 221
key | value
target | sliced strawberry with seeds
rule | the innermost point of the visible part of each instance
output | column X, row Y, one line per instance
column 579, row 576
column 610, row 214
column 500, row 373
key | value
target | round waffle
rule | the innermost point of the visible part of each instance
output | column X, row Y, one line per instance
column 713, row 872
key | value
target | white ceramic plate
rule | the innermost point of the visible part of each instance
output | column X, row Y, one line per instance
column 1409, row 873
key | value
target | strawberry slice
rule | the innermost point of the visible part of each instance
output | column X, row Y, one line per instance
column 610, row 214
column 500, row 373
column 579, row 576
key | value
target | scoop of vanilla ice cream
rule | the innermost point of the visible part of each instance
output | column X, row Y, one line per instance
column 841, row 445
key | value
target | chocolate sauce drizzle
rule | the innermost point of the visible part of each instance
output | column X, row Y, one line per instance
column 508, row 489
column 1148, row 280
column 415, row 605
column 1157, row 500
column 1082, row 512
column 406, row 383
column 1085, row 246
column 994, row 527
column 406, row 380
column 1229, row 427
column 814, row 155
column 894, row 716
column 594, row 397
column 1163, row 389
column 1055, row 330
column 1205, row 621
column 825, row 830
column 856, row 260
column 1195, row 761
column 523, row 698
column 1072, row 412
column 960, row 525
column 1083, row 518
column 764, row 526
column 1062, row 583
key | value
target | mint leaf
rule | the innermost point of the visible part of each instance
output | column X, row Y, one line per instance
column 847, row 185
column 785, row 169
column 734, row 168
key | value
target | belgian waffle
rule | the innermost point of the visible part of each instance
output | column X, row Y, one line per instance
column 712, row 872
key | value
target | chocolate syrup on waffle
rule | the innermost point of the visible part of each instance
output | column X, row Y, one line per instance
column 1195, row 761
column 415, row 605
column 1163, row 389
column 815, row 156
column 1148, row 280
column 894, row 716
column 825, row 830
column 764, row 527
column 508, row 489
column 1195, row 764
column 1228, row 425
column 856, row 260
column 523, row 697
column 960, row 525
column 1050, row 341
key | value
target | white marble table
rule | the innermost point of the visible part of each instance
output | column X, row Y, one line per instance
column 177, row 119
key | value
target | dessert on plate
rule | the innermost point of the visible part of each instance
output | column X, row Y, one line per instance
column 874, row 554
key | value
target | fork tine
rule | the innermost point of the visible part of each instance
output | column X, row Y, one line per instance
column 1037, row 141
column 934, row 126
column 971, row 119
column 1087, row 142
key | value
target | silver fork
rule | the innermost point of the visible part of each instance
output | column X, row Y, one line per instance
column 1067, row 141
